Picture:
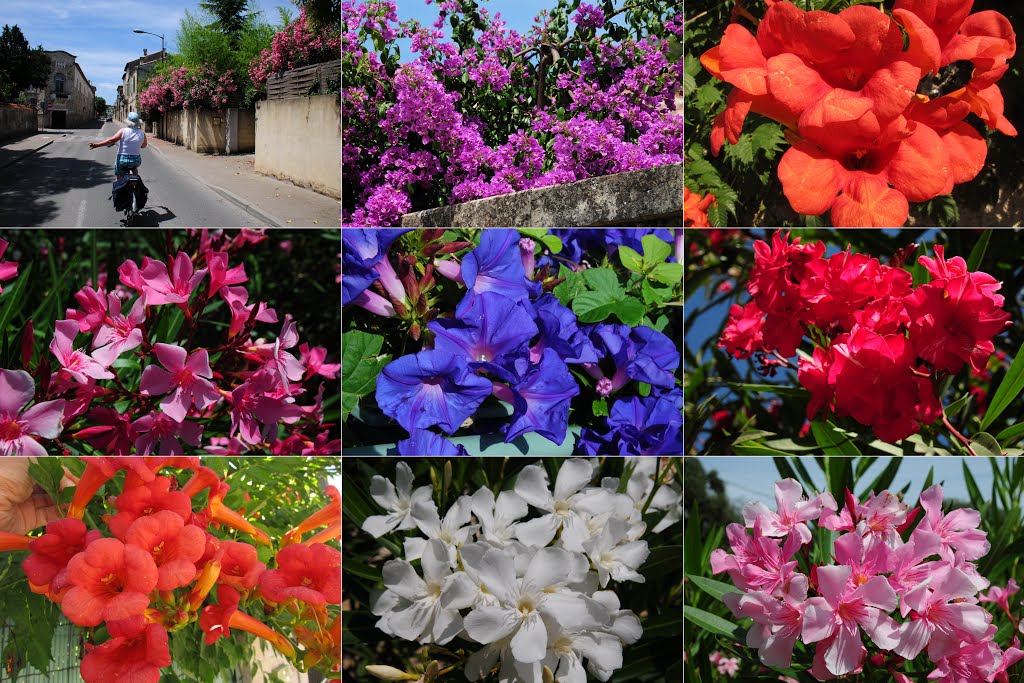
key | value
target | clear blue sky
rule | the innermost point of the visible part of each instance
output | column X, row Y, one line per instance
column 752, row 478
column 99, row 32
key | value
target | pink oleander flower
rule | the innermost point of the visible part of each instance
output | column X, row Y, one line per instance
column 174, row 287
column 792, row 513
column 777, row 623
column 842, row 611
column 256, row 408
column 958, row 530
column 16, row 427
column 943, row 619
column 236, row 298
column 313, row 359
column 94, row 309
column 907, row 562
column 8, row 269
column 880, row 515
column 761, row 563
column 283, row 364
column 110, row 431
column 119, row 333
column 1001, row 596
column 220, row 274
column 158, row 434
column 75, row 362
column 186, row 380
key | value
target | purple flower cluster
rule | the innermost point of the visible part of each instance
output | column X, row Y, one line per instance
column 430, row 131
column 510, row 339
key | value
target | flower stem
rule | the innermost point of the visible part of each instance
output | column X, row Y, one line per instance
column 966, row 441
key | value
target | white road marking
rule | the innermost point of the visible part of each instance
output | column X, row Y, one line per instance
column 80, row 222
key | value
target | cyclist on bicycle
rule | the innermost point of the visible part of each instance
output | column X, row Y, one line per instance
column 132, row 140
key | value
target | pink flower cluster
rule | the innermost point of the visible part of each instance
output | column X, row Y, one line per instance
column 185, row 88
column 880, row 343
column 883, row 567
column 253, row 385
column 299, row 44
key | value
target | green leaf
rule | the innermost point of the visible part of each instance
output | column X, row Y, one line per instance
column 978, row 252
column 986, row 444
column 655, row 295
column 360, row 366
column 755, row 448
column 553, row 243
column 630, row 311
column 957, row 405
column 630, row 259
column 663, row 560
column 568, row 290
column 663, row 626
column 778, row 390
column 1011, row 434
column 832, row 442
column 712, row 623
column 715, row 589
column 656, row 250
column 533, row 233
column 599, row 408
column 668, row 273
column 1008, row 390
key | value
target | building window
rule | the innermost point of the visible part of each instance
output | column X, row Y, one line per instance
column 58, row 84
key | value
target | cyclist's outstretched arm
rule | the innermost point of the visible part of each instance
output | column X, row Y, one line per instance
column 106, row 143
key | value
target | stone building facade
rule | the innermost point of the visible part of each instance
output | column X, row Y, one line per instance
column 135, row 74
column 69, row 100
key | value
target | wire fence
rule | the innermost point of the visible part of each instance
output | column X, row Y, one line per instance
column 66, row 652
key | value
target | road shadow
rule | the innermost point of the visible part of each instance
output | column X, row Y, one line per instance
column 26, row 186
column 150, row 218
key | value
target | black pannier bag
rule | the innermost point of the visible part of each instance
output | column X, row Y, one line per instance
column 121, row 194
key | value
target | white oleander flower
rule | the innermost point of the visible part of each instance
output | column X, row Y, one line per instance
column 523, row 599
column 427, row 609
column 498, row 518
column 570, row 644
column 638, row 488
column 566, row 507
column 452, row 530
column 614, row 558
column 399, row 504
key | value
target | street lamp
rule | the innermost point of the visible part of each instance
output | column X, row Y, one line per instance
column 162, row 52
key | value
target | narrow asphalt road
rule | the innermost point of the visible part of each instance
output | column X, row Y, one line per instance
column 66, row 184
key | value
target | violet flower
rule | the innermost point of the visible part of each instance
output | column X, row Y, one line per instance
column 362, row 251
column 641, row 353
column 559, row 331
column 541, row 399
column 426, row 442
column 186, row 380
column 496, row 265
column 430, row 388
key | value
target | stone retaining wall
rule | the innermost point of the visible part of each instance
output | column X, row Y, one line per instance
column 651, row 197
column 299, row 140
column 16, row 121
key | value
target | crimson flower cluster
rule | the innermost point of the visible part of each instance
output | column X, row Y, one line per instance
column 153, row 567
column 245, row 388
column 880, row 343
column 883, row 566
column 869, row 132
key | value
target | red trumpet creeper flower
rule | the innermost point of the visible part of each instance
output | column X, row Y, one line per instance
column 203, row 478
column 218, row 620
column 329, row 534
column 146, row 499
column 174, row 546
column 10, row 542
column 695, row 209
column 131, row 654
column 205, row 583
column 240, row 566
column 46, row 567
column 329, row 514
column 220, row 513
column 307, row 573
column 109, row 581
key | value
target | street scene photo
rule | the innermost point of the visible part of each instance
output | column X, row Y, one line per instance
column 218, row 113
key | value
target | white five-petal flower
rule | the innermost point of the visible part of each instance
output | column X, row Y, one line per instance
column 565, row 507
column 398, row 504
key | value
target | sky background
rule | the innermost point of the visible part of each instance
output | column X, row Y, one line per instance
column 99, row 32
column 749, row 479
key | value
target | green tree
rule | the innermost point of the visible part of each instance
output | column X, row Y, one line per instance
column 707, row 491
column 322, row 12
column 100, row 105
column 231, row 16
column 21, row 67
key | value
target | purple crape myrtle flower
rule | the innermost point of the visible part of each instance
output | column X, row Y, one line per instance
column 558, row 331
column 649, row 426
column 490, row 330
column 541, row 398
column 496, row 265
column 426, row 442
column 430, row 388
column 16, row 427
column 641, row 353
column 362, row 250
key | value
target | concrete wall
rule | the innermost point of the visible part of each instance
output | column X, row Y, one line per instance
column 206, row 131
column 16, row 121
column 246, row 130
column 648, row 198
column 299, row 139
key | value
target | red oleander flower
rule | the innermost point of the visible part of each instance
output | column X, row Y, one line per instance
column 110, row 581
column 174, row 546
column 743, row 335
column 135, row 652
column 240, row 565
column 46, row 566
column 146, row 499
column 308, row 573
column 836, row 288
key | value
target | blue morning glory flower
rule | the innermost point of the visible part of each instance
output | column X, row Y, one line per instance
column 558, row 331
column 426, row 442
column 490, row 330
column 649, row 426
column 430, row 388
column 361, row 250
column 541, row 399
column 640, row 353
column 496, row 265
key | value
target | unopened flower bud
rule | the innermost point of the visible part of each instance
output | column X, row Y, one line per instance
column 389, row 673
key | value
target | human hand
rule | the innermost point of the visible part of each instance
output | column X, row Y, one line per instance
column 22, row 506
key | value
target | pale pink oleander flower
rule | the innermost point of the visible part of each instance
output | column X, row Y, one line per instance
column 760, row 563
column 1001, row 596
column 792, row 513
column 1011, row 656
column 943, row 620
column 743, row 547
column 842, row 611
column 186, row 380
column 958, row 530
column 120, row 333
column 161, row 286
column 16, row 427
column 777, row 623
column 971, row 662
column 880, row 516
column 866, row 556
column 77, row 363
column 907, row 564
